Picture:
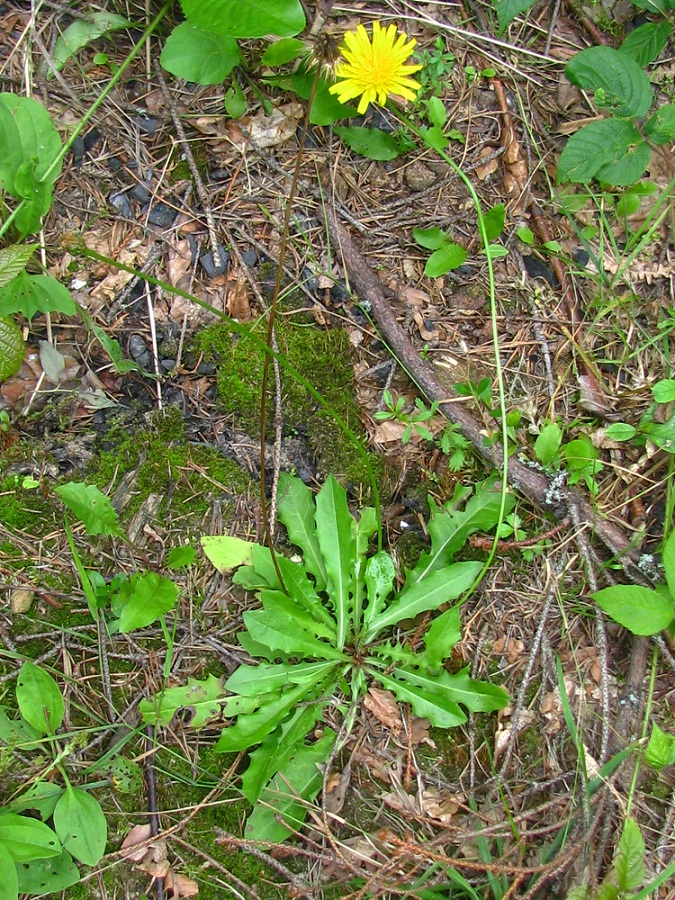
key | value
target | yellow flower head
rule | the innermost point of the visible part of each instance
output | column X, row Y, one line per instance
column 375, row 70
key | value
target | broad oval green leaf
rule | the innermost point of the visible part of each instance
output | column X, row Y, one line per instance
column 612, row 150
column 30, row 294
column 450, row 256
column 25, row 838
column 494, row 222
column 227, row 552
column 199, row 56
column 618, row 81
column 12, row 348
column 281, row 52
column 621, row 431
column 660, row 750
column 27, row 133
column 88, row 504
column 430, row 238
column 645, row 43
column 81, row 825
column 39, row 698
column 507, row 10
column 373, row 143
column 53, row 874
column 639, row 609
column 249, row 19
column 8, row 875
column 81, row 32
column 152, row 596
column 629, row 863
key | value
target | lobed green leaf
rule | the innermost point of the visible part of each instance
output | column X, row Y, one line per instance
column 336, row 535
column 289, row 793
column 440, row 586
column 297, row 512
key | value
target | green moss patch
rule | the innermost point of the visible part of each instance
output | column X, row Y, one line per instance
column 320, row 356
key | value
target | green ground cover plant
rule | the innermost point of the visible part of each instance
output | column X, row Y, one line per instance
column 324, row 633
column 38, row 853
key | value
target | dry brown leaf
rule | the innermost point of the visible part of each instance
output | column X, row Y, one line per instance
column 383, row 705
column 238, row 303
column 419, row 732
column 338, row 785
column 266, row 131
column 415, row 297
column 155, row 869
column 388, row 432
column 441, row 805
column 180, row 885
column 138, row 835
column 484, row 171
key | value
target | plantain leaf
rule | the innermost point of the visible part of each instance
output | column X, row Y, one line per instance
column 25, row 838
column 39, row 698
column 81, row 825
column 8, row 874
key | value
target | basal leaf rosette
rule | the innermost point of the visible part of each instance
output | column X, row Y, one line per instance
column 320, row 637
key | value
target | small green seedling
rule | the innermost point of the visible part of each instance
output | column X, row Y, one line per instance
column 657, row 423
